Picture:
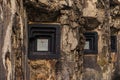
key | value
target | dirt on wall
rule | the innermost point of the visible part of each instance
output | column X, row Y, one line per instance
column 75, row 17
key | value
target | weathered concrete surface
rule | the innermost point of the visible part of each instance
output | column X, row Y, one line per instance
column 90, row 8
column 67, row 67
column 11, row 27
column 42, row 70
column 75, row 17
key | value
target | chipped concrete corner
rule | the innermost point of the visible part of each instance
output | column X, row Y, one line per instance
column 75, row 17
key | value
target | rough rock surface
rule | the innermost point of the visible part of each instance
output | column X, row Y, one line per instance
column 75, row 18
